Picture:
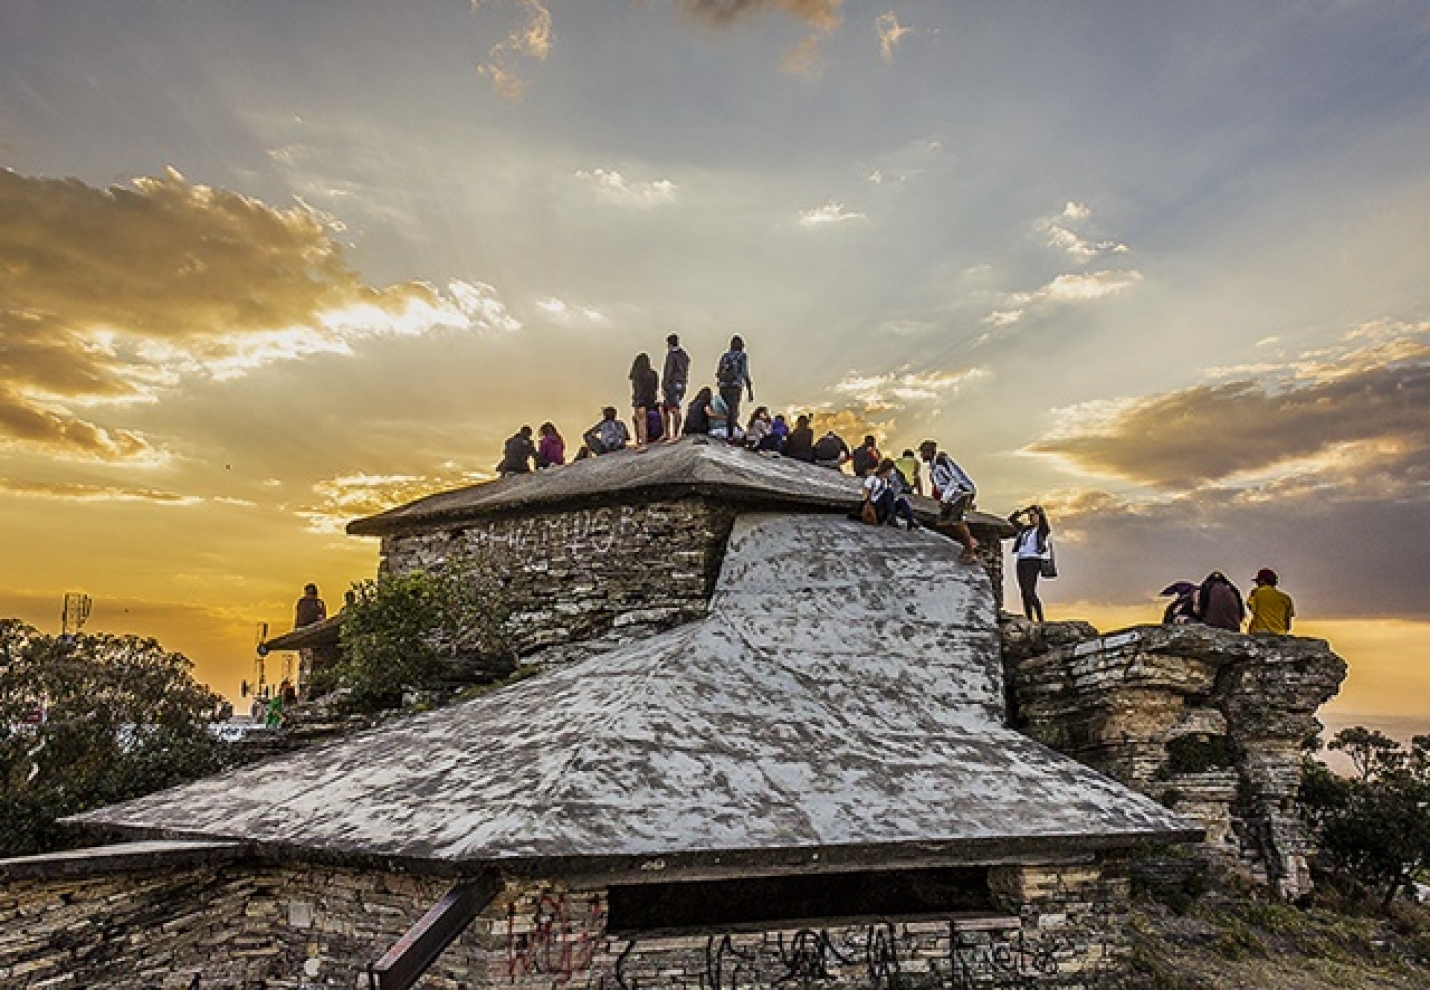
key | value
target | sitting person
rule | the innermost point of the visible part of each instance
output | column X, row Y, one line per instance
column 865, row 460
column 718, row 414
column 1219, row 603
column 831, row 451
column 517, row 454
column 697, row 414
column 607, row 436
column 775, row 439
column 550, row 448
column 884, row 491
column 759, row 427
column 799, row 444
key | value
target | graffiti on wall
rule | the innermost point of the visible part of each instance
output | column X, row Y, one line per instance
column 884, row 956
column 561, row 940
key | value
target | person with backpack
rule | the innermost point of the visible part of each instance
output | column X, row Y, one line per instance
column 954, row 490
column 1030, row 548
column 732, row 376
column 1219, row 603
column 674, row 378
column 831, row 451
column 607, row 436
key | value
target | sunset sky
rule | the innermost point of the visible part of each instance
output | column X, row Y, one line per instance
column 268, row 266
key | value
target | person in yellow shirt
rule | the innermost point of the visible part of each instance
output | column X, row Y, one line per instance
column 1271, row 608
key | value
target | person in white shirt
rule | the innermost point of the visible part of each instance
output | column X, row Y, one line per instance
column 955, row 491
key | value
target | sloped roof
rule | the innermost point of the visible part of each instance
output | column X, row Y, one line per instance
column 845, row 691
column 692, row 466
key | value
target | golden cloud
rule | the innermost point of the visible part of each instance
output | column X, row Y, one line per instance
column 114, row 293
column 1339, row 421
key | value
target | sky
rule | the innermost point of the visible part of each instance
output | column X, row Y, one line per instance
column 267, row 267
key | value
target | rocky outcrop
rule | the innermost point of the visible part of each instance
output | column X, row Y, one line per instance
column 1208, row 722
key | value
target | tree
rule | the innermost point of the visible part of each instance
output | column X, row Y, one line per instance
column 404, row 633
column 1375, row 825
column 89, row 720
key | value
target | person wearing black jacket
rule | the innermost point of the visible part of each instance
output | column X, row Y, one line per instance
column 517, row 454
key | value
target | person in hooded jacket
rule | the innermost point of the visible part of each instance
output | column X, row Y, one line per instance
column 1219, row 603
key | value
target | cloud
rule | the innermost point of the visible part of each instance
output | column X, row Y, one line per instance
column 1345, row 422
column 1060, row 234
column 342, row 499
column 822, row 16
column 891, row 33
column 67, row 491
column 897, row 390
column 112, row 295
column 830, row 212
column 1067, row 289
column 569, row 313
column 614, row 187
column 529, row 40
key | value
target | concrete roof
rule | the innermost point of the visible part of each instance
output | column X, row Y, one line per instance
column 324, row 632
column 845, row 690
column 693, row 466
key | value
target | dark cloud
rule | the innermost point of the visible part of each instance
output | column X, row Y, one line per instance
column 108, row 291
column 1339, row 559
column 1321, row 471
column 821, row 14
column 1367, row 409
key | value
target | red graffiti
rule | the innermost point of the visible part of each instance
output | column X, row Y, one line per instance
column 558, row 944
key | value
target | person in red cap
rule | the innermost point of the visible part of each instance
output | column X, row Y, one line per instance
column 1271, row 608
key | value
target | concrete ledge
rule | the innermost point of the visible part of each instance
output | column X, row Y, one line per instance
column 127, row 857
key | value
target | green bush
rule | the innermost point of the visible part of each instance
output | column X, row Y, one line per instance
column 401, row 632
column 90, row 720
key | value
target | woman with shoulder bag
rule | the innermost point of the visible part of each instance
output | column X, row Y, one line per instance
column 1033, row 549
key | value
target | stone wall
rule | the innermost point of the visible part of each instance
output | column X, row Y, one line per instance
column 1206, row 721
column 577, row 574
column 278, row 927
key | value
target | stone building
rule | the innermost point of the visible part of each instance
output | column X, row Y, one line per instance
column 774, row 749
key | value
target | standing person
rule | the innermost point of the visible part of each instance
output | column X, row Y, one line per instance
column 732, row 375
column 550, row 447
column 1271, row 608
column 674, row 378
column 955, row 491
column 1219, row 603
column 831, row 451
column 310, row 608
column 645, row 389
column 607, row 436
column 881, row 489
column 517, row 454
column 1030, row 549
column 866, row 458
column 799, row 444
column 908, row 467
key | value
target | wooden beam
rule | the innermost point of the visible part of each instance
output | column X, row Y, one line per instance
column 413, row 954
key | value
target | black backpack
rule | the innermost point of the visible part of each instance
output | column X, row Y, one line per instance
column 727, row 373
